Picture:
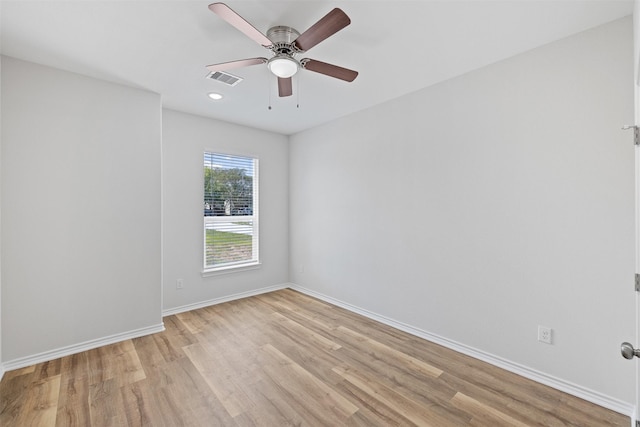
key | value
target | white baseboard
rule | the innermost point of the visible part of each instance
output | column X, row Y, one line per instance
column 592, row 396
column 77, row 348
column 2, row 371
column 207, row 303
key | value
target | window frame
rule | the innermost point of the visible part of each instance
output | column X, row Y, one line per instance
column 234, row 266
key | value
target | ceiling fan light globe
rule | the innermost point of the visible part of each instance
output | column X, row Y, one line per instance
column 283, row 66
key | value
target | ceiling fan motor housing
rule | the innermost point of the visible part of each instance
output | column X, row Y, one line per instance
column 282, row 38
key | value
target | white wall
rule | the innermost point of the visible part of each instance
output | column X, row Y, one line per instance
column 636, row 42
column 80, row 210
column 1, row 358
column 185, row 138
column 485, row 206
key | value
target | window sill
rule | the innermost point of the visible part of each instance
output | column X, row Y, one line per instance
column 231, row 269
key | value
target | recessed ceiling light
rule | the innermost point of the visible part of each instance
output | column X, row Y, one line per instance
column 215, row 96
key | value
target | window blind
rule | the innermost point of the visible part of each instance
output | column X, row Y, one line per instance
column 230, row 211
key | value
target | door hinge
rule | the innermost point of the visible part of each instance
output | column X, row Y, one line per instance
column 638, row 288
column 636, row 136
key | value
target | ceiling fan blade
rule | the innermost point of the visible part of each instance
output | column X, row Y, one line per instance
column 284, row 87
column 226, row 13
column 224, row 66
column 330, row 24
column 329, row 69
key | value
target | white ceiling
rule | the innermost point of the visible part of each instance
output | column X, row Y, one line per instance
column 397, row 46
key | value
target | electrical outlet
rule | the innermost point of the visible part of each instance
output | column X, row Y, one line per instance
column 545, row 334
column 179, row 284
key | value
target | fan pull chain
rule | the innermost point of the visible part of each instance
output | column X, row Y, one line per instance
column 298, row 92
column 269, row 86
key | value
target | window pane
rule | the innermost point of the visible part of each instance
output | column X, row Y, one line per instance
column 228, row 185
column 229, row 242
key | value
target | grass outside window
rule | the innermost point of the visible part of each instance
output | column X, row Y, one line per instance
column 223, row 247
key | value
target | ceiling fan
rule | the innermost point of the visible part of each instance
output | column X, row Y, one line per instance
column 285, row 43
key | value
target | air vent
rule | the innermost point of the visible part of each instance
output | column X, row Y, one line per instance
column 225, row 78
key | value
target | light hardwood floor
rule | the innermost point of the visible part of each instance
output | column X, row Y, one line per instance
column 282, row 359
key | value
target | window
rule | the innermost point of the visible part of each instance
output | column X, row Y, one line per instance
column 230, row 211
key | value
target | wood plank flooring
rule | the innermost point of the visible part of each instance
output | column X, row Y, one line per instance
column 282, row 359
